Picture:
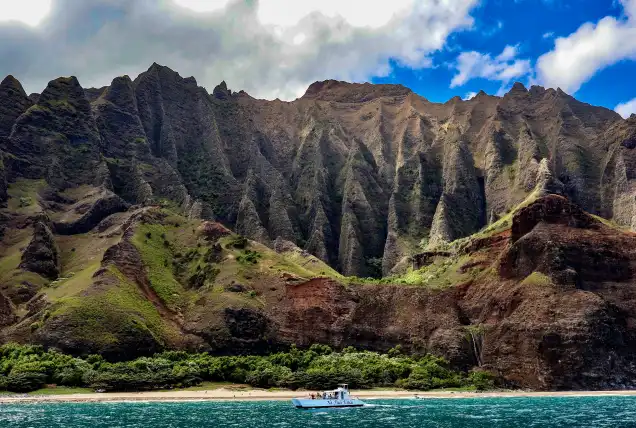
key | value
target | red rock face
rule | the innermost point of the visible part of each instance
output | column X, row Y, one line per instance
column 573, row 329
column 212, row 230
column 552, row 209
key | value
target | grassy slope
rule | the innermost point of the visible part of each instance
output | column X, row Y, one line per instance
column 102, row 315
column 173, row 252
column 456, row 269
column 22, row 201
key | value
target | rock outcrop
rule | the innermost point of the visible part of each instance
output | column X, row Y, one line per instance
column 13, row 102
column 42, row 254
column 57, row 139
column 7, row 311
column 92, row 213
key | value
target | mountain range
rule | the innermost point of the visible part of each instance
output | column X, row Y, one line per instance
column 151, row 214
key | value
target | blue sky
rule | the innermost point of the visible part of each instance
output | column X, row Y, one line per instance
column 532, row 26
column 277, row 48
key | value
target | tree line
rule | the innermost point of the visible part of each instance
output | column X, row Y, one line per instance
column 25, row 368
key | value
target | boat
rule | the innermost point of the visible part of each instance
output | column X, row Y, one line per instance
column 338, row 397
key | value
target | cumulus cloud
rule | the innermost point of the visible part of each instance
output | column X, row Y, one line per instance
column 626, row 109
column 30, row 12
column 270, row 48
column 470, row 96
column 502, row 68
column 591, row 48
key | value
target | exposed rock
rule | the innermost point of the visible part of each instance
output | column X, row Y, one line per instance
column 106, row 204
column 246, row 325
column 282, row 246
column 4, row 195
column 426, row 258
column 460, row 211
column 236, row 288
column 221, row 92
column 334, row 90
column 212, row 231
column 20, row 293
column 42, row 255
column 13, row 102
column 37, row 304
column 7, row 311
column 344, row 161
column 56, row 139
column 551, row 209
column 573, row 256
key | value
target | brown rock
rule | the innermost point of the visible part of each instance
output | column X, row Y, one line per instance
column 212, row 231
column 7, row 311
column 42, row 255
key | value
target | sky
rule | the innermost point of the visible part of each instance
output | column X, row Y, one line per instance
column 277, row 48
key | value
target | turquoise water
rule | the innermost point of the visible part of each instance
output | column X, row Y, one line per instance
column 590, row 412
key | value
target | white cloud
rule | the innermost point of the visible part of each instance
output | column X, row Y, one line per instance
column 548, row 35
column 202, row 5
column 626, row 109
column 509, row 53
column 591, row 48
column 470, row 96
column 358, row 13
column 503, row 68
column 30, row 12
column 270, row 48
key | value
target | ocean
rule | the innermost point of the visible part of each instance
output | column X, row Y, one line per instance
column 593, row 412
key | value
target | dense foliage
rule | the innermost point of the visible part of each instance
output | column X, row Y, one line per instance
column 25, row 368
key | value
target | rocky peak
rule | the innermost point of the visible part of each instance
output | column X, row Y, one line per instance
column 11, row 82
column 121, row 92
column 221, row 91
column 65, row 91
column 518, row 88
column 42, row 254
column 13, row 102
column 552, row 209
column 92, row 94
column 536, row 89
column 335, row 90
column 164, row 73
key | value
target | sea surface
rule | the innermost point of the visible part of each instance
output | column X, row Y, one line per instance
column 542, row 412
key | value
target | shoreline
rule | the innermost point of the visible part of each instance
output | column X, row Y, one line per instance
column 224, row 394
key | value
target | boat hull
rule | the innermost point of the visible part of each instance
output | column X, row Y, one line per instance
column 302, row 403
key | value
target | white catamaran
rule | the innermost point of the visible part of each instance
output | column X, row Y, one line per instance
column 338, row 397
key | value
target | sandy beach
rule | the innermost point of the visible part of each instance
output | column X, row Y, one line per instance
column 264, row 395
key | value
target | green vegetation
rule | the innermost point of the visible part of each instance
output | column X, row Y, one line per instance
column 23, row 196
column 442, row 273
column 26, row 368
column 537, row 278
column 249, row 257
column 157, row 255
column 101, row 317
column 62, row 390
column 611, row 223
